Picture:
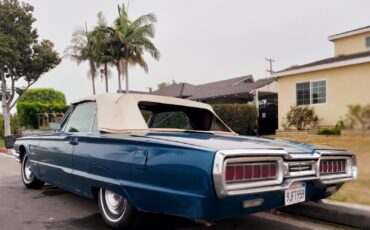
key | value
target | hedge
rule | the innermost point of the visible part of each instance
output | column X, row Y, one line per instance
column 241, row 118
column 27, row 112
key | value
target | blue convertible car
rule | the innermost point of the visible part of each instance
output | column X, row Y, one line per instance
column 158, row 154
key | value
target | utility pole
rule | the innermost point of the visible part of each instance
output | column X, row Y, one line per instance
column 270, row 60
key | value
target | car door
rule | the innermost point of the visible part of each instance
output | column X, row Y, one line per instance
column 57, row 148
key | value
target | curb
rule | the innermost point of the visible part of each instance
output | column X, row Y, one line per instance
column 353, row 215
column 5, row 150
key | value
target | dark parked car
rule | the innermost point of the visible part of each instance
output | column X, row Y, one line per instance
column 166, row 155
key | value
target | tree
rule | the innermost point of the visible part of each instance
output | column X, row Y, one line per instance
column 22, row 57
column 43, row 95
column 165, row 84
column 133, row 39
column 82, row 49
column 358, row 114
column 103, row 47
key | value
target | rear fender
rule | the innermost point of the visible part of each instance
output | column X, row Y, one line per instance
column 103, row 177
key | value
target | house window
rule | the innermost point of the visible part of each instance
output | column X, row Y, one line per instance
column 367, row 42
column 318, row 92
column 313, row 92
column 303, row 93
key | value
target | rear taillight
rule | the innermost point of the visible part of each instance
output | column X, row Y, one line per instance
column 250, row 171
column 333, row 166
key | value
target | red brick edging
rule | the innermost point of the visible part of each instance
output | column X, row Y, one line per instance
column 5, row 150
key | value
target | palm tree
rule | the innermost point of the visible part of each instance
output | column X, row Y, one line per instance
column 82, row 49
column 133, row 39
column 103, row 47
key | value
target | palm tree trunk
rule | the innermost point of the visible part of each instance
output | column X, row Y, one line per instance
column 93, row 84
column 127, row 87
column 119, row 78
column 106, row 77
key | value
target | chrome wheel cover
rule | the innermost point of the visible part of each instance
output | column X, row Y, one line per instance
column 115, row 203
column 27, row 171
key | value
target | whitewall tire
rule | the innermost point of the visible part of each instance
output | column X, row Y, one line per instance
column 28, row 177
column 116, row 211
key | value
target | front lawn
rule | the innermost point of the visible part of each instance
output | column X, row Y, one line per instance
column 356, row 191
column 2, row 143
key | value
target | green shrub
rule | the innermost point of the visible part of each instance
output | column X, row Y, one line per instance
column 13, row 124
column 332, row 131
column 302, row 117
column 27, row 112
column 358, row 114
column 43, row 95
column 242, row 118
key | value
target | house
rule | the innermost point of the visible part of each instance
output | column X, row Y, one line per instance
column 242, row 89
column 331, row 84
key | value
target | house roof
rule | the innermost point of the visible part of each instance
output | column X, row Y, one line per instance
column 238, row 85
column 227, row 87
column 176, row 90
column 133, row 91
column 333, row 62
column 350, row 33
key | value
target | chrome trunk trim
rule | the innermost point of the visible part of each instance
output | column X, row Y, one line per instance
column 300, row 168
column 285, row 176
column 243, row 155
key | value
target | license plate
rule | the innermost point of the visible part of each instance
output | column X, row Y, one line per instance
column 296, row 193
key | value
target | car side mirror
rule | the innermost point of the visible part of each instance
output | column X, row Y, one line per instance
column 54, row 126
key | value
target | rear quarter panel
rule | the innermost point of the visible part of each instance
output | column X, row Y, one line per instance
column 170, row 179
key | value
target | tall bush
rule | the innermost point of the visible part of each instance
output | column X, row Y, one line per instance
column 242, row 118
column 43, row 95
column 36, row 101
column 302, row 117
column 358, row 114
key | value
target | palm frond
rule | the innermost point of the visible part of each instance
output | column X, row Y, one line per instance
column 143, row 20
column 101, row 19
column 144, row 31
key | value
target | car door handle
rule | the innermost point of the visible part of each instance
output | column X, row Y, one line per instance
column 73, row 141
column 140, row 159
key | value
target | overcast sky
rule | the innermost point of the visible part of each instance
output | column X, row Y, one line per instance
column 203, row 40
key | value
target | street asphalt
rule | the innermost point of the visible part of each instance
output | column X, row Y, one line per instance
column 54, row 208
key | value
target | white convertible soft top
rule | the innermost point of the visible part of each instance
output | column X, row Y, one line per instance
column 119, row 112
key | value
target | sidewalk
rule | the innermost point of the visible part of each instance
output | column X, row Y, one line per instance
column 354, row 215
